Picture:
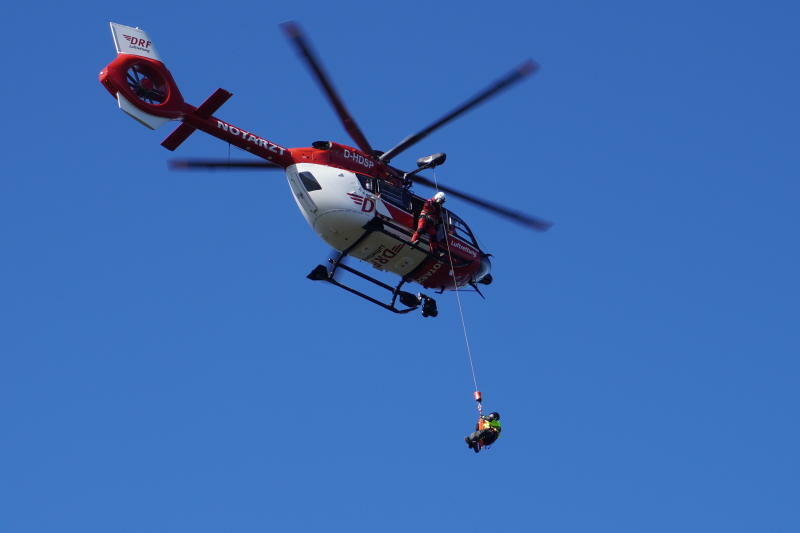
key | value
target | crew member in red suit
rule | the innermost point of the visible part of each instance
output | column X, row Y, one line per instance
column 429, row 219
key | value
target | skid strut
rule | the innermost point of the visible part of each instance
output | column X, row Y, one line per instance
column 409, row 300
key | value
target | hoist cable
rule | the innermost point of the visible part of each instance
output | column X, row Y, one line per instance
column 458, row 293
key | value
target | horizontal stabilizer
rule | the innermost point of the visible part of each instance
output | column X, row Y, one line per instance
column 206, row 109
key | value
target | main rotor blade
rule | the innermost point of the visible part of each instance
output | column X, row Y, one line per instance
column 294, row 33
column 529, row 67
column 516, row 216
column 212, row 164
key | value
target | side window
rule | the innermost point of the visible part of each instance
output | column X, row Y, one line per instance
column 396, row 195
column 367, row 182
column 310, row 182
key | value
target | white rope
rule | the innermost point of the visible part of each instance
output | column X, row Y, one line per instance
column 458, row 293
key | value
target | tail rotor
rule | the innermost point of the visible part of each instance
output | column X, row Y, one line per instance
column 148, row 84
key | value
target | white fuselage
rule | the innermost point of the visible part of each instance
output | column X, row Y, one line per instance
column 337, row 207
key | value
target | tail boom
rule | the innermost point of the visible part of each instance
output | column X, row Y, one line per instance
column 229, row 133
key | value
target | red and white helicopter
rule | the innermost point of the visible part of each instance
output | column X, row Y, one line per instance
column 351, row 197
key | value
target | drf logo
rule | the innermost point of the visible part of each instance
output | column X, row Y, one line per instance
column 367, row 204
column 137, row 42
column 385, row 255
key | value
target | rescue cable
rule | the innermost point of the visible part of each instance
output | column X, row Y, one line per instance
column 477, row 393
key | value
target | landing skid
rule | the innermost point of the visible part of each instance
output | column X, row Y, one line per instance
column 407, row 299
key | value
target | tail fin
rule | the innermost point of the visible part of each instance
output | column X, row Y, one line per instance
column 140, row 82
column 133, row 41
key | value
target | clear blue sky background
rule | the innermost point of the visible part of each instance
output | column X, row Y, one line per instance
column 165, row 366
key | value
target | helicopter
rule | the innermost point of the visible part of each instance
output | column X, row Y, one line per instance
column 352, row 197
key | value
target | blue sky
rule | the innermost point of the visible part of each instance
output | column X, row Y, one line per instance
column 165, row 365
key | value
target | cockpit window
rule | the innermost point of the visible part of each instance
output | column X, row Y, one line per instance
column 310, row 182
column 460, row 229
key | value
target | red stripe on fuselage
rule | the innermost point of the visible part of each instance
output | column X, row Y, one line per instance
column 400, row 216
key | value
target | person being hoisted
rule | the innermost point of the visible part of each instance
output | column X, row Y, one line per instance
column 429, row 219
column 486, row 432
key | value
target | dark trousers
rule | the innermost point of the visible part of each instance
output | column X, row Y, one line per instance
column 484, row 436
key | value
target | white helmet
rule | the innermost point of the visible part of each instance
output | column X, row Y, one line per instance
column 439, row 197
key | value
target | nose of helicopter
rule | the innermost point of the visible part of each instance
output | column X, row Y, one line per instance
column 484, row 275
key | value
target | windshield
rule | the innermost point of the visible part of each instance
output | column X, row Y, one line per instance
column 459, row 228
